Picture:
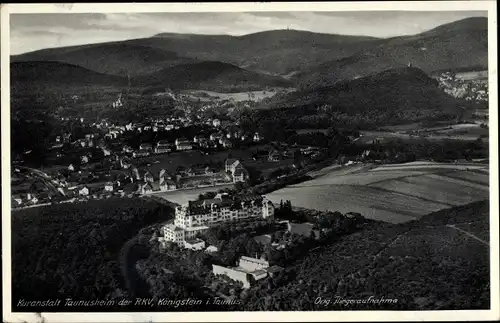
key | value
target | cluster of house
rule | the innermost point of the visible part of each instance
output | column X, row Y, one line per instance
column 215, row 140
column 131, row 182
column 20, row 200
column 35, row 187
column 158, row 125
column 32, row 198
column 195, row 217
column 275, row 155
column 286, row 152
column 118, row 103
column 470, row 90
column 36, row 193
column 60, row 140
column 126, row 185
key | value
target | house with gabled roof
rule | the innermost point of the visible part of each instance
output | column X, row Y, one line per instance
column 231, row 164
column 237, row 170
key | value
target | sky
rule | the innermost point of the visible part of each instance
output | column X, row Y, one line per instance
column 31, row 32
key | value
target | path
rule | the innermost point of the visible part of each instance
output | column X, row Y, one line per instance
column 130, row 253
column 468, row 233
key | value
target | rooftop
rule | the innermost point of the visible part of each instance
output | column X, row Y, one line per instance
column 194, row 241
column 173, row 227
column 203, row 227
column 301, row 228
column 258, row 272
column 231, row 161
column 256, row 260
column 274, row 269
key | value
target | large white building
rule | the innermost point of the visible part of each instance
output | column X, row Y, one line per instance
column 248, row 270
column 197, row 216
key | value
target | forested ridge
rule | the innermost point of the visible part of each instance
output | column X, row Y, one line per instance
column 72, row 250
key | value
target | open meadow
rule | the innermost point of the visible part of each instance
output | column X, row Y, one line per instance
column 392, row 193
column 209, row 96
column 465, row 132
column 183, row 196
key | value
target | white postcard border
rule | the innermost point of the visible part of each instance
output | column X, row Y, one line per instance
column 298, row 316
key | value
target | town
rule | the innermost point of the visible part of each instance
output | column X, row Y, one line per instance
column 101, row 163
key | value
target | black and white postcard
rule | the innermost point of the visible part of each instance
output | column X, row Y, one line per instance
column 250, row 162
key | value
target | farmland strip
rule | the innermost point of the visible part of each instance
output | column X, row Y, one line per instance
column 455, row 176
column 445, row 205
column 407, row 213
column 408, row 176
column 457, row 181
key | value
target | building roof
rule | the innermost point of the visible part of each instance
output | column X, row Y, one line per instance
column 173, row 227
column 212, row 249
column 203, row 227
column 194, row 241
column 231, row 161
column 198, row 170
column 249, row 198
column 202, row 206
column 255, row 260
column 258, row 272
column 303, row 229
column 208, row 202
